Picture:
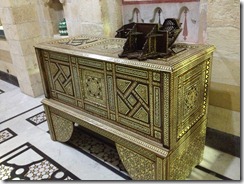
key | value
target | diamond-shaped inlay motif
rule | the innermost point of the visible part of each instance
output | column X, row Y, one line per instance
column 61, row 78
column 132, row 100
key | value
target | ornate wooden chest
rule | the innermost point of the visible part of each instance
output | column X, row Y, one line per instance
column 155, row 110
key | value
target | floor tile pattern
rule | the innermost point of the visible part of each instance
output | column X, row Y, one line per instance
column 102, row 151
column 41, row 167
column 38, row 118
column 6, row 134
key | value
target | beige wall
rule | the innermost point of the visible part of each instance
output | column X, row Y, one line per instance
column 6, row 64
column 223, row 30
column 22, row 31
column 111, row 16
column 93, row 17
column 28, row 22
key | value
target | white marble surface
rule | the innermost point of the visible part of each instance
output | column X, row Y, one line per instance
column 71, row 159
column 14, row 102
column 222, row 163
column 197, row 174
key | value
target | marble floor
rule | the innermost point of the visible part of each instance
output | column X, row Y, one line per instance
column 28, row 153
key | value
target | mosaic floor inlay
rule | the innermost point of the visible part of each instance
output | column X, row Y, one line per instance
column 15, row 166
column 6, row 134
column 37, row 119
column 103, row 152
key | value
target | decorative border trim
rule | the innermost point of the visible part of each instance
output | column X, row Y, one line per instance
column 166, row 107
column 167, row 65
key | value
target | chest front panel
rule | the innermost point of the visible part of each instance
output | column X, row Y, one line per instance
column 127, row 96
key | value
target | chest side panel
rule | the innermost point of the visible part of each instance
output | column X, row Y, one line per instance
column 190, row 87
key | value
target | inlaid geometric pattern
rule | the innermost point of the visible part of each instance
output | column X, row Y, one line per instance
column 5, row 172
column 1, row 91
column 62, row 79
column 94, row 87
column 39, row 167
column 106, row 47
column 6, row 134
column 78, row 41
column 188, row 153
column 37, row 119
column 63, row 128
column 191, row 98
column 133, row 99
column 138, row 166
column 39, row 170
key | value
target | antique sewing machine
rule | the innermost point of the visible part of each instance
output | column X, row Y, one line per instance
column 146, row 94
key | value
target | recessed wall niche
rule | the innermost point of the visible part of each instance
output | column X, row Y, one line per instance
column 56, row 12
column 51, row 13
